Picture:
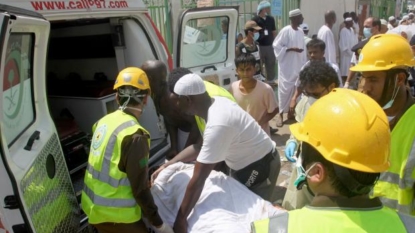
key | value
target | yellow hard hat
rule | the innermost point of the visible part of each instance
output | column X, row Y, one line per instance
column 349, row 129
column 132, row 76
column 385, row 52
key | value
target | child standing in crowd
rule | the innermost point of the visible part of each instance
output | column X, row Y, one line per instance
column 255, row 97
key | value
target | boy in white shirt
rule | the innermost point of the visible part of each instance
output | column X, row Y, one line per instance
column 255, row 97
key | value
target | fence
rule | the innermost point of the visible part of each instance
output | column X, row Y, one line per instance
column 161, row 13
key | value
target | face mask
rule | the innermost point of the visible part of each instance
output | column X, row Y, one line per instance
column 311, row 100
column 394, row 94
column 256, row 35
column 302, row 175
column 367, row 33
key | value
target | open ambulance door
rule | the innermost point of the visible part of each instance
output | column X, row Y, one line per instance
column 206, row 42
column 37, row 195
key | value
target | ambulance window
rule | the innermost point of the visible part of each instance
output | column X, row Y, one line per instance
column 18, row 104
column 204, row 40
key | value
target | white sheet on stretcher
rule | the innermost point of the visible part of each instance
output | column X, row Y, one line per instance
column 225, row 205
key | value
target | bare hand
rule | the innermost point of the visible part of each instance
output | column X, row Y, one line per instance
column 156, row 173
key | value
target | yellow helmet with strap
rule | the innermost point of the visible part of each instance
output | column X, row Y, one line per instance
column 132, row 76
column 347, row 128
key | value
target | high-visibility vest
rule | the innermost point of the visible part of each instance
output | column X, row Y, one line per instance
column 213, row 90
column 107, row 195
column 327, row 220
column 395, row 187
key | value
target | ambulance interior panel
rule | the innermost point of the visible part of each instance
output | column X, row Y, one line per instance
column 84, row 58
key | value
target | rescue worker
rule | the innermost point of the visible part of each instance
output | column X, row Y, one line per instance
column 116, row 192
column 384, row 63
column 340, row 166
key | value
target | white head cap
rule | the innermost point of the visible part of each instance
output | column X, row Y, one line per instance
column 190, row 84
column 405, row 17
column 295, row 12
column 304, row 27
column 411, row 14
column 384, row 22
column 349, row 19
column 391, row 18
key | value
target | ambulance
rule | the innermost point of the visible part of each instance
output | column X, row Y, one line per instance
column 58, row 62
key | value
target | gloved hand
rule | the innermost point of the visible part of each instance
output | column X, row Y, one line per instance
column 163, row 229
column 290, row 149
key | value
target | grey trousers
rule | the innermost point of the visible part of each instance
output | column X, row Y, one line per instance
column 267, row 56
column 267, row 187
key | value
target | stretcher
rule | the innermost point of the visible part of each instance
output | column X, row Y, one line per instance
column 225, row 205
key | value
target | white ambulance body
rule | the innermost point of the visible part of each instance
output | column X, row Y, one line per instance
column 58, row 62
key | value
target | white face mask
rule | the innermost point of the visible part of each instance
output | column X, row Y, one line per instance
column 311, row 100
column 394, row 94
column 256, row 35
column 302, row 174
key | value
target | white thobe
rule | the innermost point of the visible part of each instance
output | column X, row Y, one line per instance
column 346, row 42
column 356, row 29
column 326, row 35
column 390, row 26
column 289, row 63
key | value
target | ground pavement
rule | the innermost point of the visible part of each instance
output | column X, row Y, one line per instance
column 280, row 137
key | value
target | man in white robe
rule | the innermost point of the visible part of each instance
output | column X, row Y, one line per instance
column 392, row 23
column 289, row 49
column 346, row 41
column 325, row 34
column 356, row 26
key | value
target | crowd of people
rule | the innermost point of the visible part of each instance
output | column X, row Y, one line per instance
column 354, row 151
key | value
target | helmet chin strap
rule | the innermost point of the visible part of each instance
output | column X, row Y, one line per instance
column 124, row 105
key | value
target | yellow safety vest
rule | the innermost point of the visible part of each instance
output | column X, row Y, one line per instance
column 107, row 195
column 326, row 220
column 395, row 187
column 212, row 90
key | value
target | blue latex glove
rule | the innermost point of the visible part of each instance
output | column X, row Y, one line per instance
column 290, row 151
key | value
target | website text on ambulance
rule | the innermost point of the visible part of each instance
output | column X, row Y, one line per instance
column 78, row 4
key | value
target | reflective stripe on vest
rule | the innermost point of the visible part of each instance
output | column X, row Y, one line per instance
column 212, row 90
column 104, row 174
column 277, row 223
column 108, row 202
column 309, row 219
column 395, row 187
